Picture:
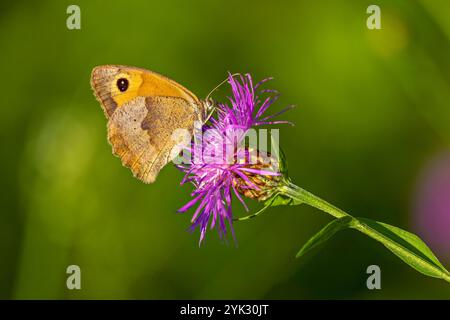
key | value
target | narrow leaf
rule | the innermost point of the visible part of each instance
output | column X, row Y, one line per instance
column 280, row 156
column 281, row 200
column 324, row 234
column 407, row 246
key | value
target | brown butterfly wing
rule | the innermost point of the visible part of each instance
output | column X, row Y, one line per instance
column 142, row 83
column 141, row 123
column 141, row 132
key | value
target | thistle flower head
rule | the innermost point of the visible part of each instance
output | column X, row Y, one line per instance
column 216, row 173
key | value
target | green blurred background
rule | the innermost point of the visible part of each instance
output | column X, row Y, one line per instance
column 374, row 112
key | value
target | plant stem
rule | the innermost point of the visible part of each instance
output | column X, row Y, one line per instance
column 302, row 196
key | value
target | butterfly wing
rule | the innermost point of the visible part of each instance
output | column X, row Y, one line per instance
column 144, row 111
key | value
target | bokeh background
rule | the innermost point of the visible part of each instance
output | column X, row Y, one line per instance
column 371, row 135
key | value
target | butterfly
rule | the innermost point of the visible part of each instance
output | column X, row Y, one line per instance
column 144, row 111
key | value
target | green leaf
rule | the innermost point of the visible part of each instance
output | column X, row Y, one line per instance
column 283, row 163
column 280, row 156
column 279, row 199
column 407, row 246
column 324, row 234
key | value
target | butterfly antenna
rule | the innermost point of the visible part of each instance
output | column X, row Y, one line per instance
column 219, row 85
column 209, row 103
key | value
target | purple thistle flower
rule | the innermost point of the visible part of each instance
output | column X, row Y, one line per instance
column 216, row 182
